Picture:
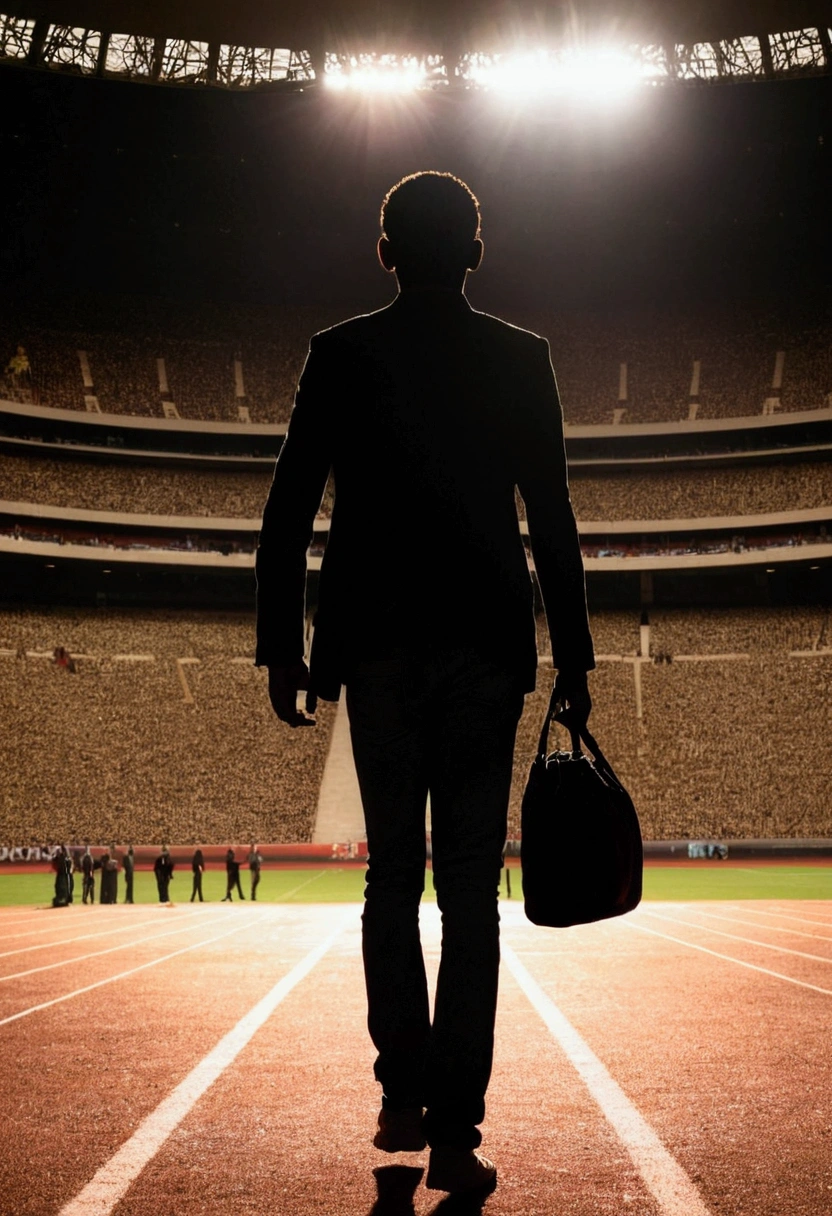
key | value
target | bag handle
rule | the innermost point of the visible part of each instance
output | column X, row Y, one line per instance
column 559, row 712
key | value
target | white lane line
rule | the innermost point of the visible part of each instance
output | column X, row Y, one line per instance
column 82, row 958
column 664, row 1178
column 300, row 885
column 728, row 958
column 185, row 911
column 750, row 924
column 100, row 1196
column 124, row 974
column 801, row 920
column 735, row 937
column 84, row 937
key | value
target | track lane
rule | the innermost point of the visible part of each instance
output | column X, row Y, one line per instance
column 84, row 937
column 82, row 1076
column 758, row 926
column 735, row 937
column 730, row 1066
column 288, row 1131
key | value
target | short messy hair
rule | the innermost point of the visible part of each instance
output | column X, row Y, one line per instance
column 431, row 218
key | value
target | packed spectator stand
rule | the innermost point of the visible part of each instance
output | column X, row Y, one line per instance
column 208, row 362
column 158, row 727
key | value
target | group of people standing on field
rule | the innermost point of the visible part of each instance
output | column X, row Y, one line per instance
column 163, row 868
column 110, row 862
column 232, row 871
column 66, row 864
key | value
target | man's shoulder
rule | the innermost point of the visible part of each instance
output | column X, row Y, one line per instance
column 506, row 332
column 353, row 329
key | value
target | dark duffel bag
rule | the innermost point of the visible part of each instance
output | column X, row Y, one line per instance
column 581, row 847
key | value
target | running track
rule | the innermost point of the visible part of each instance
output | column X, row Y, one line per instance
column 164, row 1061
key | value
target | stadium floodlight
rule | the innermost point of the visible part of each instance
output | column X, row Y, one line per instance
column 374, row 74
column 593, row 74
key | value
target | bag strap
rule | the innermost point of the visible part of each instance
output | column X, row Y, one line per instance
column 558, row 712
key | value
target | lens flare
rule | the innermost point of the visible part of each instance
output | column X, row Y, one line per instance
column 592, row 75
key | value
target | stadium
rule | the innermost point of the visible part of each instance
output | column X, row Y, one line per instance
column 190, row 195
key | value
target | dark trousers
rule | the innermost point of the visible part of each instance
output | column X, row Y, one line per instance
column 444, row 723
column 231, row 883
column 88, row 889
column 255, row 882
column 197, row 886
column 128, row 886
column 162, row 884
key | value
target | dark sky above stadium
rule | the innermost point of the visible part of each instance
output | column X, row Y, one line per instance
column 714, row 193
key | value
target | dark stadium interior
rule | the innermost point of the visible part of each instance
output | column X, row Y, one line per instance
column 190, row 192
column 187, row 241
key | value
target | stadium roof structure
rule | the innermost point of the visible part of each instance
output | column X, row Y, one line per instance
column 296, row 42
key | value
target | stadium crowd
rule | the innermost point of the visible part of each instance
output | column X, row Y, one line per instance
column 736, row 354
column 657, row 494
column 728, row 717
column 163, row 731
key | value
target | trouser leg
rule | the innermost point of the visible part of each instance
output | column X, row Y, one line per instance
column 387, row 747
column 471, row 747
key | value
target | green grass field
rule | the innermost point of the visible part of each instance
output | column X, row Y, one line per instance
column 335, row 885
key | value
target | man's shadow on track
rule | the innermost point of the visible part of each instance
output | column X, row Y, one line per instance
column 396, row 1186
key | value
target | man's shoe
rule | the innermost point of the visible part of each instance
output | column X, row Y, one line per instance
column 400, row 1131
column 459, row 1169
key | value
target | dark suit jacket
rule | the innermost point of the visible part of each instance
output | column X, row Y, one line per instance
column 428, row 414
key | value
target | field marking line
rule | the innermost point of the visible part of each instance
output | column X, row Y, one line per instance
column 82, row 958
column 109, row 1185
column 14, row 1017
column 801, row 920
column 750, row 924
column 54, row 929
column 663, row 1176
column 84, row 937
column 735, row 937
column 778, row 975
column 305, row 883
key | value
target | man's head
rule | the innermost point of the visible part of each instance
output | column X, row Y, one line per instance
column 430, row 231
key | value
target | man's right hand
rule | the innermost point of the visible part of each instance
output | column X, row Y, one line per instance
column 573, row 689
column 284, row 685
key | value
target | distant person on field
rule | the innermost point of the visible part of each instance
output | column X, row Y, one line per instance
column 87, row 877
column 255, row 861
column 426, row 613
column 62, row 865
column 163, row 869
column 129, row 864
column 198, row 869
column 232, row 872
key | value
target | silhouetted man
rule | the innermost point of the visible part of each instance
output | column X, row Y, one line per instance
column 129, row 868
column 163, row 869
column 197, row 869
column 88, row 879
column 429, row 416
column 255, row 861
column 232, row 877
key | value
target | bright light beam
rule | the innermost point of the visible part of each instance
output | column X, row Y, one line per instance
column 595, row 76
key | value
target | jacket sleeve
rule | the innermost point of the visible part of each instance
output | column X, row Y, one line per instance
column 553, row 533
column 295, row 495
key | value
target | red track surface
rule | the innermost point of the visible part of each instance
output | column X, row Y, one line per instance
column 728, row 1063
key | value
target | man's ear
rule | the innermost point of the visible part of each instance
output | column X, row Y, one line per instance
column 385, row 254
column 475, row 257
